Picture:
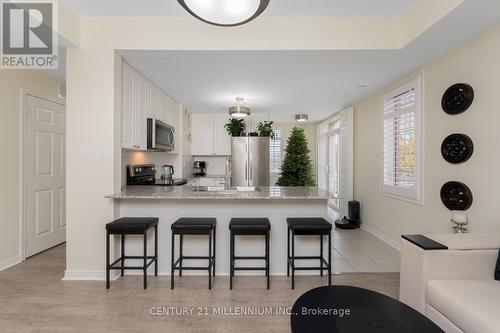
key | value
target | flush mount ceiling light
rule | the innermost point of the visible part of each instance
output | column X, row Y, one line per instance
column 301, row 117
column 239, row 109
column 226, row 13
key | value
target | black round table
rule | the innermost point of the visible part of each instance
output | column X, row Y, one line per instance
column 345, row 309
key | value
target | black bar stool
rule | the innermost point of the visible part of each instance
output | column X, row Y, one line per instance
column 131, row 226
column 249, row 227
column 309, row 227
column 194, row 226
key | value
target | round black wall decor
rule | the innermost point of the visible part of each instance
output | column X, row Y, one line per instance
column 457, row 148
column 456, row 196
column 458, row 98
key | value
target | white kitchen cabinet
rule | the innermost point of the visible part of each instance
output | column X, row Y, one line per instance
column 128, row 78
column 202, row 136
column 222, row 141
column 141, row 100
column 141, row 112
column 134, row 105
column 208, row 181
column 154, row 110
column 208, row 135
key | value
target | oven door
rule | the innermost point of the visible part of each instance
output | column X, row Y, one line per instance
column 160, row 136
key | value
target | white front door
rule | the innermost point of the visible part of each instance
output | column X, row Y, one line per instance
column 45, row 175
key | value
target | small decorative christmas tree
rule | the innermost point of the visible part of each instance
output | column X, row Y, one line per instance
column 296, row 169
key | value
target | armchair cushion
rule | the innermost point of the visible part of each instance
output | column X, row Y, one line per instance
column 497, row 270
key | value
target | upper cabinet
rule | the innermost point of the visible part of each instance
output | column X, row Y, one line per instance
column 134, row 106
column 222, row 141
column 209, row 137
column 141, row 100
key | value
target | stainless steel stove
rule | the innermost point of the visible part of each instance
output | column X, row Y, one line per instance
column 145, row 174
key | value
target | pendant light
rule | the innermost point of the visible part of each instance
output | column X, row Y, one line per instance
column 239, row 109
column 226, row 13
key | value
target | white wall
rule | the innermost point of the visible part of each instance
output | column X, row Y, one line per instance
column 477, row 63
column 12, row 84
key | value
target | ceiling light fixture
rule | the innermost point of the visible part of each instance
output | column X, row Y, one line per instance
column 225, row 13
column 239, row 109
column 301, row 117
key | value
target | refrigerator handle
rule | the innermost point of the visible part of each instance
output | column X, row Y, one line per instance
column 246, row 163
column 250, row 165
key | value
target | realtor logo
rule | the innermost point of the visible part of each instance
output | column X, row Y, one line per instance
column 28, row 36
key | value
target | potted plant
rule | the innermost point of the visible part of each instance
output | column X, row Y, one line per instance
column 235, row 127
column 266, row 129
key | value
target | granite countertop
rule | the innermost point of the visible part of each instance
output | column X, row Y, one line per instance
column 188, row 193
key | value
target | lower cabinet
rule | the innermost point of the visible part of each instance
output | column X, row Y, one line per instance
column 208, row 181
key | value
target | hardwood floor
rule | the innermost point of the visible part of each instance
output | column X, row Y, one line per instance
column 34, row 299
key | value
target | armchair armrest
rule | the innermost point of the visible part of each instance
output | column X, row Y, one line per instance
column 471, row 260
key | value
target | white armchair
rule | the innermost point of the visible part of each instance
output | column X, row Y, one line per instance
column 455, row 287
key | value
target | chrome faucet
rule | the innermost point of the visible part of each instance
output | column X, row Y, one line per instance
column 228, row 174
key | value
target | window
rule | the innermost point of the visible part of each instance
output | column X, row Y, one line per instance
column 275, row 157
column 402, row 142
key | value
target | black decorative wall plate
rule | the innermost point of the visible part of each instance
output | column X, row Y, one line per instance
column 457, row 148
column 456, row 196
column 458, row 98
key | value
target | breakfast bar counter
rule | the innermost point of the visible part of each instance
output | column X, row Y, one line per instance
column 274, row 203
column 200, row 193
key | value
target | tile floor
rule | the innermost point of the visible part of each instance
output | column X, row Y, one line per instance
column 361, row 252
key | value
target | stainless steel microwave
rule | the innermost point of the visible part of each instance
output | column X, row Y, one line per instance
column 160, row 136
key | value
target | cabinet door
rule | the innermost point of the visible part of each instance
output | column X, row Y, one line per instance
column 174, row 112
column 163, row 107
column 140, row 127
column 202, row 128
column 154, row 103
column 222, row 139
column 128, row 106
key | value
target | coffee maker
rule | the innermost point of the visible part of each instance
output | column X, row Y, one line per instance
column 200, row 169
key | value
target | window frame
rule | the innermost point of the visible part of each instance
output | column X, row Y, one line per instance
column 278, row 137
column 414, row 195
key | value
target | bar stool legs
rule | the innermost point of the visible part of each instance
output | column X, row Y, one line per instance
column 309, row 227
column 268, row 264
column 249, row 227
column 145, row 269
column 329, row 259
column 131, row 226
column 193, row 226
column 293, row 260
column 108, row 285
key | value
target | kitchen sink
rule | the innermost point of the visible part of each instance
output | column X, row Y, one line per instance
column 247, row 189
column 224, row 190
column 214, row 189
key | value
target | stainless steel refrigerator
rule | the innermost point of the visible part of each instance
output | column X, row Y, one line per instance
column 250, row 161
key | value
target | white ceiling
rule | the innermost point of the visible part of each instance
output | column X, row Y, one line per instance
column 338, row 8
column 315, row 82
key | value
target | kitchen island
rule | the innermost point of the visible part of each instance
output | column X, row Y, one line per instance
column 275, row 203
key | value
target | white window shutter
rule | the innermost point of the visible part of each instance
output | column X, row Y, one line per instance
column 402, row 141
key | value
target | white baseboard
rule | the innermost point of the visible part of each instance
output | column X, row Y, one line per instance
column 382, row 237
column 101, row 275
column 10, row 262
